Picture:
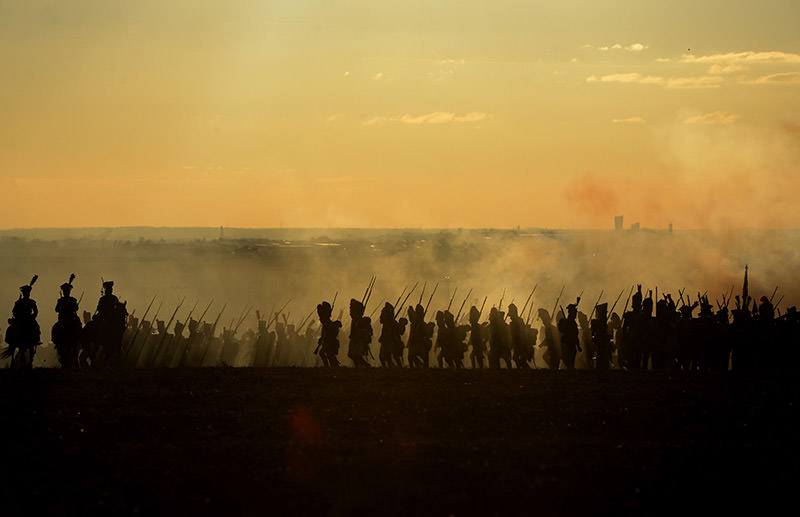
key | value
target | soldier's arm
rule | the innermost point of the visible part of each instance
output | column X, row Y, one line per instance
column 34, row 309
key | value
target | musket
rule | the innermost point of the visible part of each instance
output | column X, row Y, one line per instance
column 241, row 320
column 779, row 302
column 528, row 300
column 462, row 306
column 530, row 311
column 273, row 320
column 368, row 292
column 628, row 299
column 401, row 296
column 480, row 312
column 773, row 294
column 500, row 303
column 166, row 329
column 430, row 299
column 205, row 311
column 307, row 318
column 81, row 298
column 139, row 326
column 422, row 293
column 377, row 307
column 214, row 326
column 189, row 316
column 333, row 304
column 451, row 299
column 615, row 304
column 199, row 321
column 580, row 297
column 555, row 306
column 595, row 304
column 398, row 308
column 680, row 295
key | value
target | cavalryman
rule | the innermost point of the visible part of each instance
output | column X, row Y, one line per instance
column 66, row 331
column 23, row 333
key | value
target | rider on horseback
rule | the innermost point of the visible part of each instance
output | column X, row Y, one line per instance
column 23, row 333
column 67, row 330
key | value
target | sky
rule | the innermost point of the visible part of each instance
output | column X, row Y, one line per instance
column 304, row 113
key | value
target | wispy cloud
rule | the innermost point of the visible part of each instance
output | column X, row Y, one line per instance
column 716, row 117
column 744, row 58
column 706, row 81
column 779, row 78
column 436, row 117
column 668, row 82
column 629, row 120
column 629, row 78
column 633, row 47
column 378, row 76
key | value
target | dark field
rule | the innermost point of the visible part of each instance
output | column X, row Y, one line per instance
column 246, row 441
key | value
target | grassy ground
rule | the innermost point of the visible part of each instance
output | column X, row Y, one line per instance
column 244, row 441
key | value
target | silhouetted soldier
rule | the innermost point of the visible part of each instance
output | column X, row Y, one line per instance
column 519, row 343
column 550, row 341
column 110, row 319
column 360, row 334
column 389, row 335
column 499, row 339
column 570, row 342
column 419, row 338
column 23, row 334
column 477, row 339
column 328, row 344
column 66, row 332
column 601, row 337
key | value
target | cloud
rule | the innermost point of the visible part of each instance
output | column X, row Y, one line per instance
column 450, row 62
column 670, row 82
column 629, row 78
column 633, row 47
column 435, row 117
column 743, row 58
column 707, row 81
column 716, row 117
column 629, row 120
column 378, row 76
column 720, row 69
column 346, row 74
column 779, row 78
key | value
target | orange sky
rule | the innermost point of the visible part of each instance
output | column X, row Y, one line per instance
column 317, row 113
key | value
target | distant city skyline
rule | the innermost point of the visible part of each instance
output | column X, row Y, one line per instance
column 311, row 113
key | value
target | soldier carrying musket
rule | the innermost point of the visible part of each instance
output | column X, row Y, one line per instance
column 360, row 329
column 570, row 342
column 328, row 344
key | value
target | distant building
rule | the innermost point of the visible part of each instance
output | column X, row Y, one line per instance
column 618, row 223
column 635, row 227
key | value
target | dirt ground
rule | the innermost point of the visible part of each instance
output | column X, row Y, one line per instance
column 246, row 441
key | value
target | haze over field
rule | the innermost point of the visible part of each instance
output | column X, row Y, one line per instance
column 263, row 268
column 308, row 113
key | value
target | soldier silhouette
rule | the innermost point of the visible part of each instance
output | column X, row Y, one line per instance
column 23, row 334
column 477, row 339
column 328, row 344
column 570, row 341
column 66, row 332
column 360, row 334
column 108, row 327
column 601, row 338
